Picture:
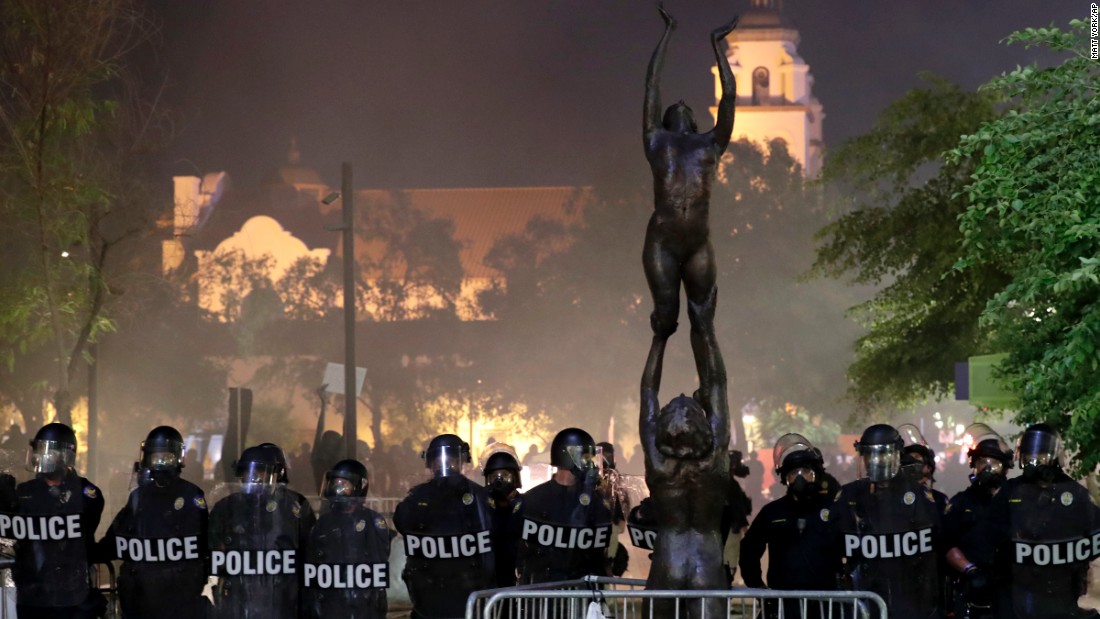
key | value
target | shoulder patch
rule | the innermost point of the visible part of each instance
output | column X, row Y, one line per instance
column 91, row 492
column 516, row 508
column 928, row 495
column 296, row 510
column 947, row 510
column 379, row 522
column 200, row 502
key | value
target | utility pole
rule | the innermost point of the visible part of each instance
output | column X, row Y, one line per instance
column 350, row 392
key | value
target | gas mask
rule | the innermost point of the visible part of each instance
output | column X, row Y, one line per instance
column 801, row 482
column 501, row 483
column 1040, row 473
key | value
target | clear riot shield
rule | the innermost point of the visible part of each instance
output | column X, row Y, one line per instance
column 890, row 543
column 345, row 564
column 256, row 535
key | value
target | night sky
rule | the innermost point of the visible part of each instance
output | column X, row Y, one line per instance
column 474, row 93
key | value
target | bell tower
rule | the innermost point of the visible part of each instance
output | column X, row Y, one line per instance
column 774, row 86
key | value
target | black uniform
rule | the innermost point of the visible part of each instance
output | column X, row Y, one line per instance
column 160, row 536
column 504, row 539
column 965, row 526
column 564, row 532
column 796, row 534
column 51, row 576
column 247, row 529
column 891, row 540
column 1047, row 536
column 345, row 565
column 641, row 524
column 447, row 532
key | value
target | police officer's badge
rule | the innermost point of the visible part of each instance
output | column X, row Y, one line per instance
column 467, row 499
column 1067, row 498
column 200, row 502
column 271, row 506
column 296, row 510
column 359, row 526
column 909, row 498
column 90, row 492
column 585, row 499
column 825, row 515
column 178, row 504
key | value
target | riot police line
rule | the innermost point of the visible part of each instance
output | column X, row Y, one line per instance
column 1001, row 548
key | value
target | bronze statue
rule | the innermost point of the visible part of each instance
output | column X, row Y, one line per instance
column 686, row 462
column 683, row 162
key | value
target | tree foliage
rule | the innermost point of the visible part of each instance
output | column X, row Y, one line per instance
column 70, row 125
column 1034, row 211
column 899, row 231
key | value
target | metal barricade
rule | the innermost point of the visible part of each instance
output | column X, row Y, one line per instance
column 620, row 598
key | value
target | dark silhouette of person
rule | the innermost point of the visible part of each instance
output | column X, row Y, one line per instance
column 683, row 162
column 686, row 465
column 532, row 455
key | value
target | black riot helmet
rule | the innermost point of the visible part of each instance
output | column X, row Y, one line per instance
column 917, row 458
column 53, row 450
column 607, row 452
column 879, row 449
column 446, row 456
column 793, row 452
column 280, row 458
column 573, row 450
column 162, row 450
column 258, row 468
column 1040, row 445
column 986, row 443
column 501, row 470
column 347, row 479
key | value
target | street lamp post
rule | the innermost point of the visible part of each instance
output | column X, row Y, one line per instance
column 350, row 394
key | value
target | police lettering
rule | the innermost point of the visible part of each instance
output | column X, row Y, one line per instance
column 360, row 576
column 251, row 562
column 565, row 537
column 888, row 546
column 448, row 547
column 642, row 538
column 1059, row 553
column 52, row 528
column 153, row 550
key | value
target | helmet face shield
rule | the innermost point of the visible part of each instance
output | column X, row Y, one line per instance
column 582, row 456
column 988, row 463
column 161, row 461
column 879, row 463
column 503, row 477
column 804, row 472
column 255, row 476
column 339, row 487
column 1038, row 447
column 446, row 461
column 46, row 456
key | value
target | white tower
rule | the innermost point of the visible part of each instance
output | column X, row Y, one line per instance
column 774, row 97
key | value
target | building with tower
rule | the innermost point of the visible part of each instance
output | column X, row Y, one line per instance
column 774, row 86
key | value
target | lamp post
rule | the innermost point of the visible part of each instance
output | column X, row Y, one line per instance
column 348, row 230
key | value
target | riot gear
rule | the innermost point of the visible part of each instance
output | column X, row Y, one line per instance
column 162, row 454
column 51, row 569
column 345, row 566
column 990, row 457
column 160, row 536
column 53, row 450
column 501, row 470
column 917, row 458
column 346, row 480
column 573, row 450
column 258, row 469
column 446, row 456
column 1040, row 453
column 279, row 458
column 879, row 449
column 607, row 454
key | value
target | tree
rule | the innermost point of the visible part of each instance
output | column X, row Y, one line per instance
column 71, row 126
column 899, row 232
column 1034, row 211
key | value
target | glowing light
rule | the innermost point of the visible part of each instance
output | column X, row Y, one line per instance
column 64, row 254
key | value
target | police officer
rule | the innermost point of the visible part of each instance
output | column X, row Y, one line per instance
column 345, row 563
column 1046, row 530
column 919, row 461
column 160, row 536
column 970, row 555
column 502, row 479
column 565, row 525
column 794, row 528
column 613, row 490
column 447, row 531
column 887, row 528
column 58, row 513
column 735, row 516
column 641, row 523
column 255, row 535
column 276, row 453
